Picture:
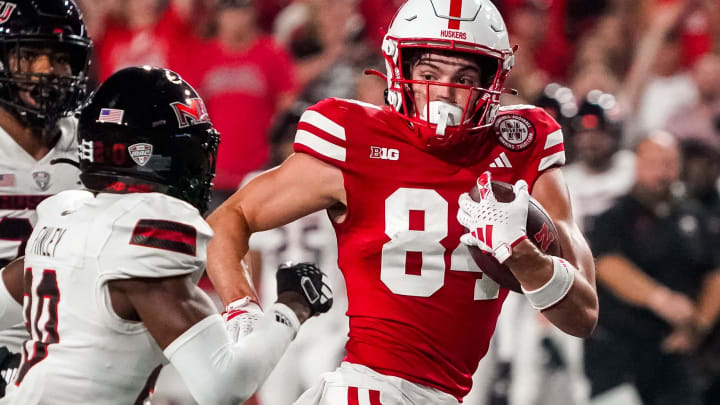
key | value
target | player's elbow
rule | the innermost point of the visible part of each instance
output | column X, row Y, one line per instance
column 586, row 324
column 581, row 324
column 576, row 315
column 587, row 318
column 219, row 216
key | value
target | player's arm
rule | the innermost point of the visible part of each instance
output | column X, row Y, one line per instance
column 11, row 293
column 562, row 287
column 300, row 186
column 183, row 321
column 577, row 312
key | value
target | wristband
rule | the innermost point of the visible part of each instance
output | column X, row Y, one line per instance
column 554, row 289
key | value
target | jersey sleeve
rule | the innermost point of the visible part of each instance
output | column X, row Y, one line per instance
column 158, row 236
column 549, row 150
column 321, row 133
column 68, row 200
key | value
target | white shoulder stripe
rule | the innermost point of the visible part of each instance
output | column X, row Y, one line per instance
column 361, row 103
column 320, row 121
column 557, row 158
column 320, row 145
column 553, row 139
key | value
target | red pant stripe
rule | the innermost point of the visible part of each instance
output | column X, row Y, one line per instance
column 352, row 396
column 375, row 397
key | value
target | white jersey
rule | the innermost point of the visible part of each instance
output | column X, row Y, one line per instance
column 24, row 183
column 80, row 350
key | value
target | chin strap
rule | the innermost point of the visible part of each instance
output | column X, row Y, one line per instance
column 65, row 161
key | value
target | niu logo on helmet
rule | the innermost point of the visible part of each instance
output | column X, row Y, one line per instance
column 194, row 113
column 6, row 10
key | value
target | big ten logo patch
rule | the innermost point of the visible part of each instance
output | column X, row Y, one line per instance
column 377, row 152
column 514, row 132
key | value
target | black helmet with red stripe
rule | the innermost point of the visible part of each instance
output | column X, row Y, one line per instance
column 146, row 129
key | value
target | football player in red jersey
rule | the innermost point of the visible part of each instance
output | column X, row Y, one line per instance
column 393, row 181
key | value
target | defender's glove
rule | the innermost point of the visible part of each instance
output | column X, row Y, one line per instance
column 495, row 227
column 308, row 281
column 240, row 317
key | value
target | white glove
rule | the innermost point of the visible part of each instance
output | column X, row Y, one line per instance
column 240, row 317
column 494, row 227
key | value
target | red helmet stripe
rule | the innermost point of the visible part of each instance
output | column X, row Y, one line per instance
column 456, row 12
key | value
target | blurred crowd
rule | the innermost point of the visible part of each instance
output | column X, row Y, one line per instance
column 635, row 85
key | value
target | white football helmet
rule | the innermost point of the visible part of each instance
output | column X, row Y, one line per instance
column 473, row 27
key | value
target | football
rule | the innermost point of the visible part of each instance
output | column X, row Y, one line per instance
column 540, row 230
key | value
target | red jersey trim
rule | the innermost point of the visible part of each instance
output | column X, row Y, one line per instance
column 21, row 202
column 167, row 235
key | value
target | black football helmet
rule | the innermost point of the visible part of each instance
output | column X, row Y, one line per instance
column 52, row 27
column 145, row 129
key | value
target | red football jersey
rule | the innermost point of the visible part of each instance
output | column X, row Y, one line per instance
column 419, row 306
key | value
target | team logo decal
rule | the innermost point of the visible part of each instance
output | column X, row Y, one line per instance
column 193, row 113
column 42, row 179
column 140, row 153
column 514, row 132
column 6, row 10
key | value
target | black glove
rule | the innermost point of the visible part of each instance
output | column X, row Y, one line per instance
column 307, row 280
column 9, row 363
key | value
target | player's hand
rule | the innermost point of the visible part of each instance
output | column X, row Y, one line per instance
column 240, row 317
column 494, row 227
column 308, row 281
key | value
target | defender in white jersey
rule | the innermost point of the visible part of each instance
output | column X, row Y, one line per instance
column 110, row 273
column 44, row 60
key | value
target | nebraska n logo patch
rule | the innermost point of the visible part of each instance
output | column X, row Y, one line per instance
column 167, row 235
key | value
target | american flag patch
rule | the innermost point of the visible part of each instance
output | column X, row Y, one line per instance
column 7, row 180
column 111, row 115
